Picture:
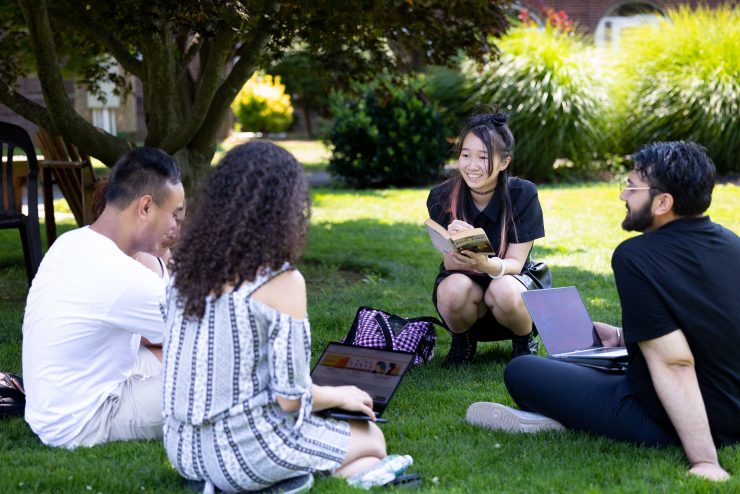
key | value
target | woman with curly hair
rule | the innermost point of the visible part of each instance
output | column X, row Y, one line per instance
column 479, row 297
column 239, row 405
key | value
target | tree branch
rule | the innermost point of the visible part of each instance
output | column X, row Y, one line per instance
column 210, row 77
column 59, row 109
column 81, row 20
column 159, row 83
column 240, row 73
column 28, row 109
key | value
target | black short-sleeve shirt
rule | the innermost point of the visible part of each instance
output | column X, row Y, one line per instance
column 526, row 209
column 684, row 276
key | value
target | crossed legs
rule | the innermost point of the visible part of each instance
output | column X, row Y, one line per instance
column 584, row 399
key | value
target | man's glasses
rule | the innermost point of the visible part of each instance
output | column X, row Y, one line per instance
column 626, row 186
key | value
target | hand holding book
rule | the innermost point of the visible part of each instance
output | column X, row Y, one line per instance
column 471, row 239
column 495, row 267
column 468, row 248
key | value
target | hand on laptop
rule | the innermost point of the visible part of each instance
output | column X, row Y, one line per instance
column 348, row 398
column 609, row 335
column 353, row 399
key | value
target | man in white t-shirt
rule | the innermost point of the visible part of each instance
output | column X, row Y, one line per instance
column 91, row 365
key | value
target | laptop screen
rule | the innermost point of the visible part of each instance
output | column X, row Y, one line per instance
column 377, row 372
column 561, row 319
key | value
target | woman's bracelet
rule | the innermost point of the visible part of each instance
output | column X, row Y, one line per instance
column 619, row 336
column 501, row 273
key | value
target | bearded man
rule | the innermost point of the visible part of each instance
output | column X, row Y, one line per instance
column 681, row 327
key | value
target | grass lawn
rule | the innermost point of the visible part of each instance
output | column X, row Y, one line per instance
column 311, row 153
column 370, row 248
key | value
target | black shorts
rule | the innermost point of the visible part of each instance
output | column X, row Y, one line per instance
column 487, row 328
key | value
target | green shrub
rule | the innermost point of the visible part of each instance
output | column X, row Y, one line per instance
column 681, row 80
column 546, row 81
column 262, row 105
column 390, row 136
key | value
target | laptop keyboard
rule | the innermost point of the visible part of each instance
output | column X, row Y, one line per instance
column 595, row 351
column 602, row 350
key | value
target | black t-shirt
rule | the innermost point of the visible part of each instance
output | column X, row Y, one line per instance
column 684, row 276
column 528, row 222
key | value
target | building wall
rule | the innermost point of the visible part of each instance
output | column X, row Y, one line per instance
column 587, row 13
column 126, row 116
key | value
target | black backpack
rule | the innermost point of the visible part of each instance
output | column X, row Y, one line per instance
column 12, row 395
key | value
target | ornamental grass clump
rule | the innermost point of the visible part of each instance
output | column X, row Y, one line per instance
column 549, row 83
column 450, row 91
column 681, row 80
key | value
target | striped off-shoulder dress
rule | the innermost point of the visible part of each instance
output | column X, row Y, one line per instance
column 222, row 375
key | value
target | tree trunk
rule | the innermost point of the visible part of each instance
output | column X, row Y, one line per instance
column 194, row 168
column 307, row 118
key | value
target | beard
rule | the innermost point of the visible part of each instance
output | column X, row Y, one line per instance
column 640, row 219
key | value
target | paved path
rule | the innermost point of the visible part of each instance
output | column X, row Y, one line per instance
column 319, row 179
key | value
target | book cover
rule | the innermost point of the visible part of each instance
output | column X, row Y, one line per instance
column 474, row 240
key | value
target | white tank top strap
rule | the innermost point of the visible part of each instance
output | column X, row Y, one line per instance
column 265, row 275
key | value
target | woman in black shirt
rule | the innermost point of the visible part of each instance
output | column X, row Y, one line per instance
column 479, row 297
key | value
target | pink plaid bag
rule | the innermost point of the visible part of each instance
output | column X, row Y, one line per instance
column 376, row 328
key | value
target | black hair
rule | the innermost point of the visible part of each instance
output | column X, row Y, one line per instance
column 493, row 131
column 682, row 169
column 140, row 172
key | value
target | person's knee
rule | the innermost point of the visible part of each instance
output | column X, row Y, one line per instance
column 504, row 297
column 367, row 440
column 453, row 293
column 518, row 371
column 376, row 443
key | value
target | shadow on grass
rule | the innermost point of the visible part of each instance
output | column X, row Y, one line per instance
column 393, row 267
column 389, row 266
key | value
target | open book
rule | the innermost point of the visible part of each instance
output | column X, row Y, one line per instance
column 474, row 240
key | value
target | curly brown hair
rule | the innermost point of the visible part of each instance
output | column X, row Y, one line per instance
column 253, row 213
column 98, row 198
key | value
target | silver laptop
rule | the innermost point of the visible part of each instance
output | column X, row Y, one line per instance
column 378, row 372
column 564, row 325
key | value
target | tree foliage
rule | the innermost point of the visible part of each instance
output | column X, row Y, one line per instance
column 193, row 57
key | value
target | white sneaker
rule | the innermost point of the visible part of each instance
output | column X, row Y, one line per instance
column 500, row 417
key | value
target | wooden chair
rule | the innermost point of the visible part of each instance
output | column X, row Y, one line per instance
column 72, row 171
column 11, row 177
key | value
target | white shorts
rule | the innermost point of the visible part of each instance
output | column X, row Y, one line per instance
column 132, row 411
